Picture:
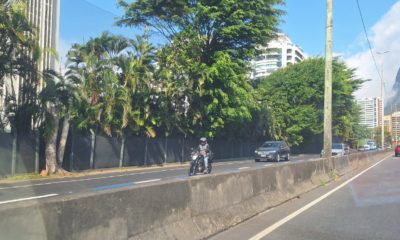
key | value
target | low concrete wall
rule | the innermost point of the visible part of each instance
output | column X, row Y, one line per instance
column 184, row 209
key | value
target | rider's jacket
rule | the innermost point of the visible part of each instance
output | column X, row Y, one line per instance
column 204, row 148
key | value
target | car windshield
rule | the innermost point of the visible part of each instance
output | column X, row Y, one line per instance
column 270, row 145
column 337, row 146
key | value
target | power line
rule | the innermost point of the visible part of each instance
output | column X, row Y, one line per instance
column 100, row 8
column 369, row 43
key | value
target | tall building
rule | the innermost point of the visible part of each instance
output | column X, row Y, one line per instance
column 396, row 126
column 388, row 123
column 371, row 112
column 278, row 53
column 44, row 15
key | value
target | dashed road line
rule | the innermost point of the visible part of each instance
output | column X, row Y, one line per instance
column 148, row 181
column 243, row 168
column 29, row 198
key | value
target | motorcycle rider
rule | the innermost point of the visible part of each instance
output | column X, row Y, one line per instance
column 205, row 150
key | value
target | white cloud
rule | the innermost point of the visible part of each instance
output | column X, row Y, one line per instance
column 384, row 36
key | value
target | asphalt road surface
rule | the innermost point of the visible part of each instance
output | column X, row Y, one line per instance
column 363, row 206
column 59, row 188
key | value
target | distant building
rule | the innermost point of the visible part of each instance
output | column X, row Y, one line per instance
column 371, row 112
column 388, row 123
column 279, row 53
column 396, row 126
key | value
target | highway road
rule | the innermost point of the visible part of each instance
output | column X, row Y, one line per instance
column 60, row 188
column 363, row 206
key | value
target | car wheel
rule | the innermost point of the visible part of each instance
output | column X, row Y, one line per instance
column 288, row 157
column 257, row 160
column 278, row 157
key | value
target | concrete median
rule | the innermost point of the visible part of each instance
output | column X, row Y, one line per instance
column 193, row 208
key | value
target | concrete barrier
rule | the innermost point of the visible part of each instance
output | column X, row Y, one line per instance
column 183, row 209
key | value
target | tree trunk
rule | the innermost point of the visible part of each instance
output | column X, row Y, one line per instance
column 51, row 145
column 63, row 140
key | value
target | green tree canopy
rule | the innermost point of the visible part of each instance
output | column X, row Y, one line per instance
column 223, row 25
column 294, row 97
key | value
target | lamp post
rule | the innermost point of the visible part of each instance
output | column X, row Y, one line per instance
column 382, row 102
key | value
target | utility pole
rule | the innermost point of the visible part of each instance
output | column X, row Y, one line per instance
column 328, row 83
column 382, row 103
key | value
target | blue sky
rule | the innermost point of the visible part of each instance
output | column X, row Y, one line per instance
column 304, row 23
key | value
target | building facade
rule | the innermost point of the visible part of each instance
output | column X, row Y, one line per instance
column 371, row 112
column 396, row 126
column 44, row 15
column 388, row 123
column 279, row 53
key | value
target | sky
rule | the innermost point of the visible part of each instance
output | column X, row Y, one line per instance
column 304, row 23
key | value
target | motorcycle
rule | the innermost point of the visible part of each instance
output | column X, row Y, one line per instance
column 197, row 164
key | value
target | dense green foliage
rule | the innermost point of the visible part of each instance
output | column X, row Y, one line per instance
column 294, row 98
column 209, row 43
column 213, row 26
column 19, row 53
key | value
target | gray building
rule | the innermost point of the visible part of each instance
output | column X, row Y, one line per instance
column 44, row 15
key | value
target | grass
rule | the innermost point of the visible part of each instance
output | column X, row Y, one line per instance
column 20, row 177
column 334, row 175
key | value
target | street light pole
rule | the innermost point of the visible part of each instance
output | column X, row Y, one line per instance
column 328, row 83
column 382, row 103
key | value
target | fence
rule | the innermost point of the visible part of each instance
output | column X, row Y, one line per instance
column 92, row 152
column 88, row 152
column 25, row 149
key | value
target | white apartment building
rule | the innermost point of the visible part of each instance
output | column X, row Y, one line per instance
column 371, row 112
column 279, row 53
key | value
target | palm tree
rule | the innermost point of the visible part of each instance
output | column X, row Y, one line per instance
column 56, row 101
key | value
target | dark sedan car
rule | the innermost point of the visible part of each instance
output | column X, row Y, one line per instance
column 273, row 151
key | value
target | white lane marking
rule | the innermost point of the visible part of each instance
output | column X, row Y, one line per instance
column 113, row 176
column 276, row 225
column 148, row 181
column 243, row 168
column 84, row 180
column 29, row 198
column 105, row 177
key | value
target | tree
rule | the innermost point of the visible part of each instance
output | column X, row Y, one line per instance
column 233, row 26
column 56, row 101
column 19, row 53
column 92, row 65
column 226, row 97
column 377, row 133
column 294, row 98
column 203, row 34
column 115, row 76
